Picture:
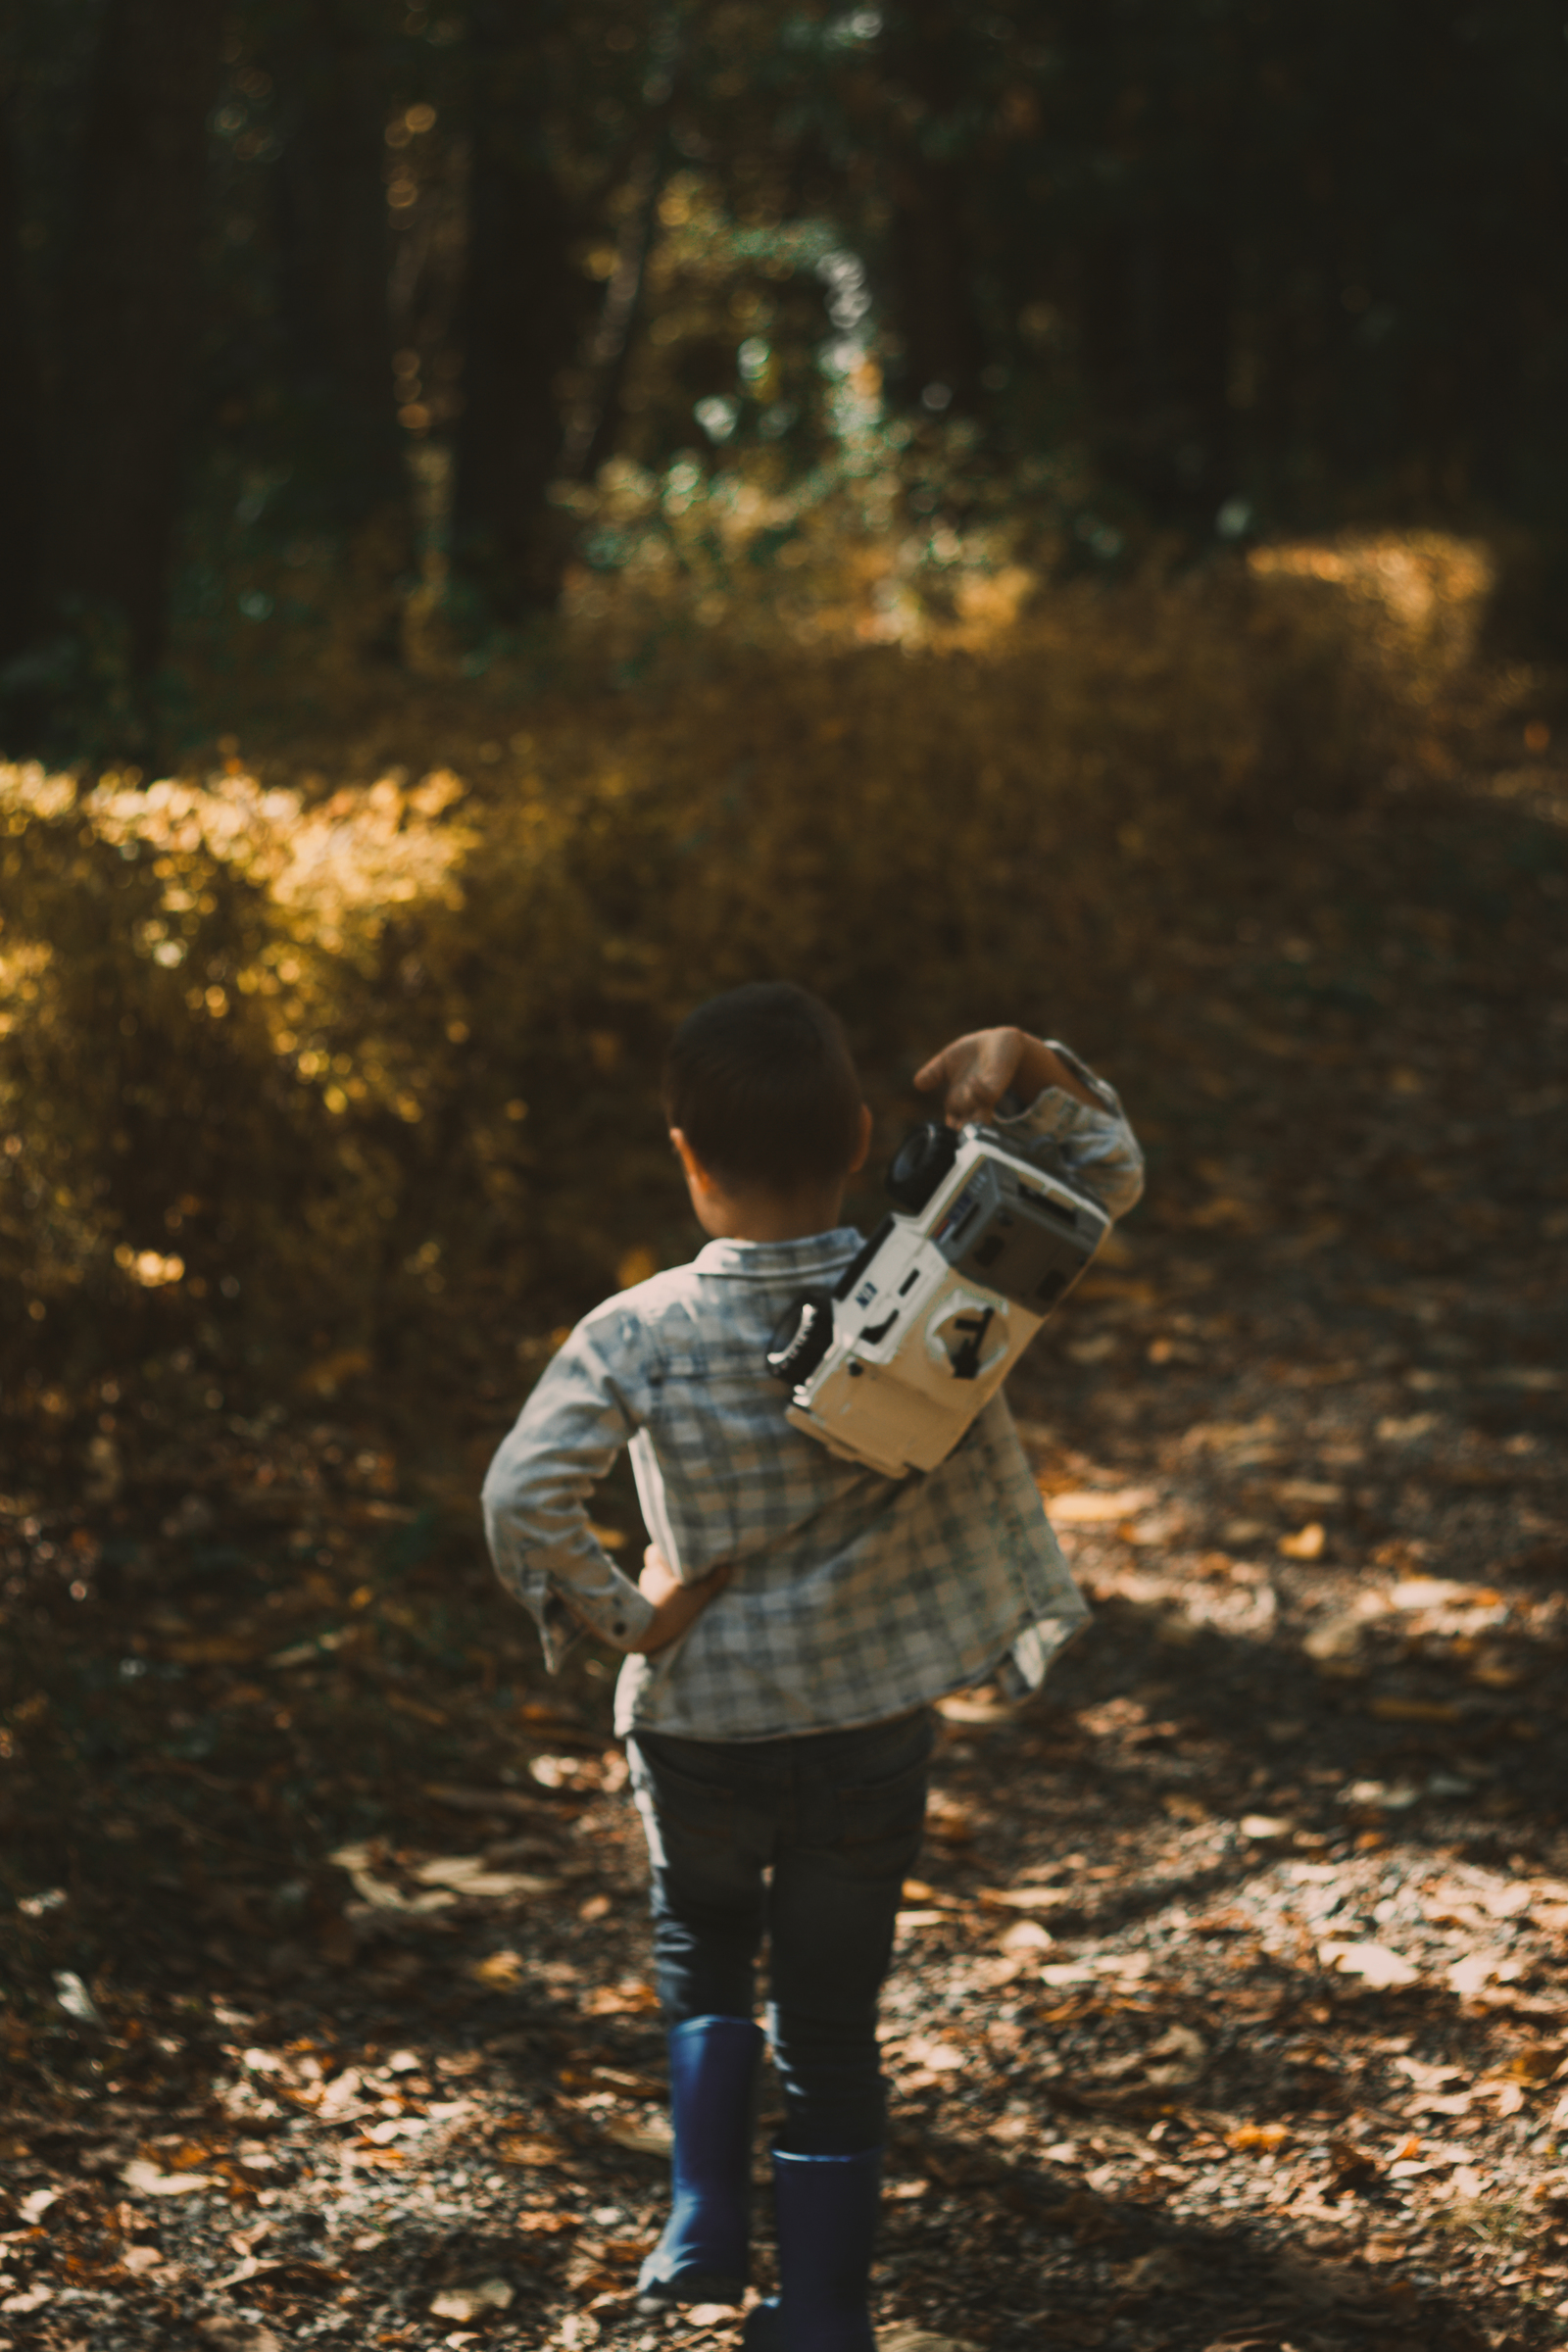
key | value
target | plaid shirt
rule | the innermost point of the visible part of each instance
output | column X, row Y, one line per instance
column 854, row 1597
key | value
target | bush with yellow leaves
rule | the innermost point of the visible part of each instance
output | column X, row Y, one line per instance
column 299, row 1079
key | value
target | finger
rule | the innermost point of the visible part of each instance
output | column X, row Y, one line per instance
column 931, row 1074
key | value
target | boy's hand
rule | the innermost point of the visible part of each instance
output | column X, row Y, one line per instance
column 978, row 1069
column 675, row 1605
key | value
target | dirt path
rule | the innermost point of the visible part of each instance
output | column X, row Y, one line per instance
column 1232, row 2006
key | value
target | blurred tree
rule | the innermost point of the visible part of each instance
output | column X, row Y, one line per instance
column 937, row 62
column 328, row 60
column 118, row 404
column 20, row 506
column 521, row 314
column 594, row 423
column 1241, row 263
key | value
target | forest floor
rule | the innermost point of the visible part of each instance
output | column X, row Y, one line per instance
column 1231, row 2003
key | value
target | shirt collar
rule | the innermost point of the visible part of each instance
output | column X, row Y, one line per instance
column 780, row 1261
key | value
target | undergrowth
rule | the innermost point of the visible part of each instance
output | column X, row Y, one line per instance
column 306, row 1071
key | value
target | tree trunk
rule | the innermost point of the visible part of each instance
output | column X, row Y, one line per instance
column 933, row 277
column 128, row 314
column 520, row 322
column 20, row 508
column 590, row 436
column 336, row 250
column 933, row 170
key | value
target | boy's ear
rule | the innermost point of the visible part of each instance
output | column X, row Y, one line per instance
column 863, row 1147
column 696, row 1173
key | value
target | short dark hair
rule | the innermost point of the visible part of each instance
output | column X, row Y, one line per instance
column 762, row 1083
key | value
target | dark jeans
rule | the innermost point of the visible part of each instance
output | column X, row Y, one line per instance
column 808, row 1840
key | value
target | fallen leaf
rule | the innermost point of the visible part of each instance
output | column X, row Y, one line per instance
column 1538, row 2063
column 542, row 2221
column 33, row 2207
column 517, row 2149
column 1027, row 1935
column 918, row 2340
column 1264, row 2138
column 653, row 2138
column 1350, row 2162
column 1160, row 2267
column 313, row 1651
column 228, row 2332
column 471, row 1875
column 147, row 2180
column 1467, row 1977
column 503, row 1970
column 1082, row 1509
column 947, row 1820
column 1374, row 1963
column 74, row 1998
column 211, row 1649
column 491, row 1800
column 380, row 1893
column 1128, row 1965
column 1415, row 1710
column 1428, row 2077
column 472, row 2302
column 1437, row 1592
column 1307, row 1543
column 939, row 2056
column 31, row 2298
column 630, row 1999
column 1019, row 1898
column 294, row 2265
column 1432, row 2102
column 958, row 1709
column 139, row 2260
column 1180, row 2056
column 1265, row 1828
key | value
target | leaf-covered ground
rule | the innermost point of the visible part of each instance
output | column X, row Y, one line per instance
column 1232, row 2000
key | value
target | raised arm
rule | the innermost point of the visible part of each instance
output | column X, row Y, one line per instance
column 1053, row 1109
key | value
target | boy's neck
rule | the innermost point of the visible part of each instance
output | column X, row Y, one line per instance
column 769, row 1216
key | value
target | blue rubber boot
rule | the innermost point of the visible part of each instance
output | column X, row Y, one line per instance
column 826, row 2209
column 704, row 2255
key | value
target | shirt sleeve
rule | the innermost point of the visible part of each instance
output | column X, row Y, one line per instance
column 536, row 1491
column 1094, row 1150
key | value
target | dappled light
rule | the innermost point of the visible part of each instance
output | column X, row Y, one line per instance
column 514, row 522
column 1234, row 1971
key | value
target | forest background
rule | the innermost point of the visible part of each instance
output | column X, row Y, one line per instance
column 641, row 479
column 515, row 517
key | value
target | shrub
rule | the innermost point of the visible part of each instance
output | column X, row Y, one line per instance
column 367, row 1076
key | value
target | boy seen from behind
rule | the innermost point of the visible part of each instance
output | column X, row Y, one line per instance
column 796, row 1618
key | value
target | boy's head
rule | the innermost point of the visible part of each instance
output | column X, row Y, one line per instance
column 761, row 1095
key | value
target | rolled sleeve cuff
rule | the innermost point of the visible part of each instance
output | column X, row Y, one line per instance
column 1096, row 1146
column 611, row 1608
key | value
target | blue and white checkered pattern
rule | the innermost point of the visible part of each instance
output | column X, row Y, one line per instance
column 854, row 1597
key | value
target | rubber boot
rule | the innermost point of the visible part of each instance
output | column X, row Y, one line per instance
column 704, row 2254
column 826, row 2209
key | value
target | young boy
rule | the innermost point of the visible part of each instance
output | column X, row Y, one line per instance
column 794, row 1619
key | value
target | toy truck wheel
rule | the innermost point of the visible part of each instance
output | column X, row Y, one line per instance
column 801, row 1338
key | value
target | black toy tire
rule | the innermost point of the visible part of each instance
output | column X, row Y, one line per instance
column 919, row 1164
column 801, row 1338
